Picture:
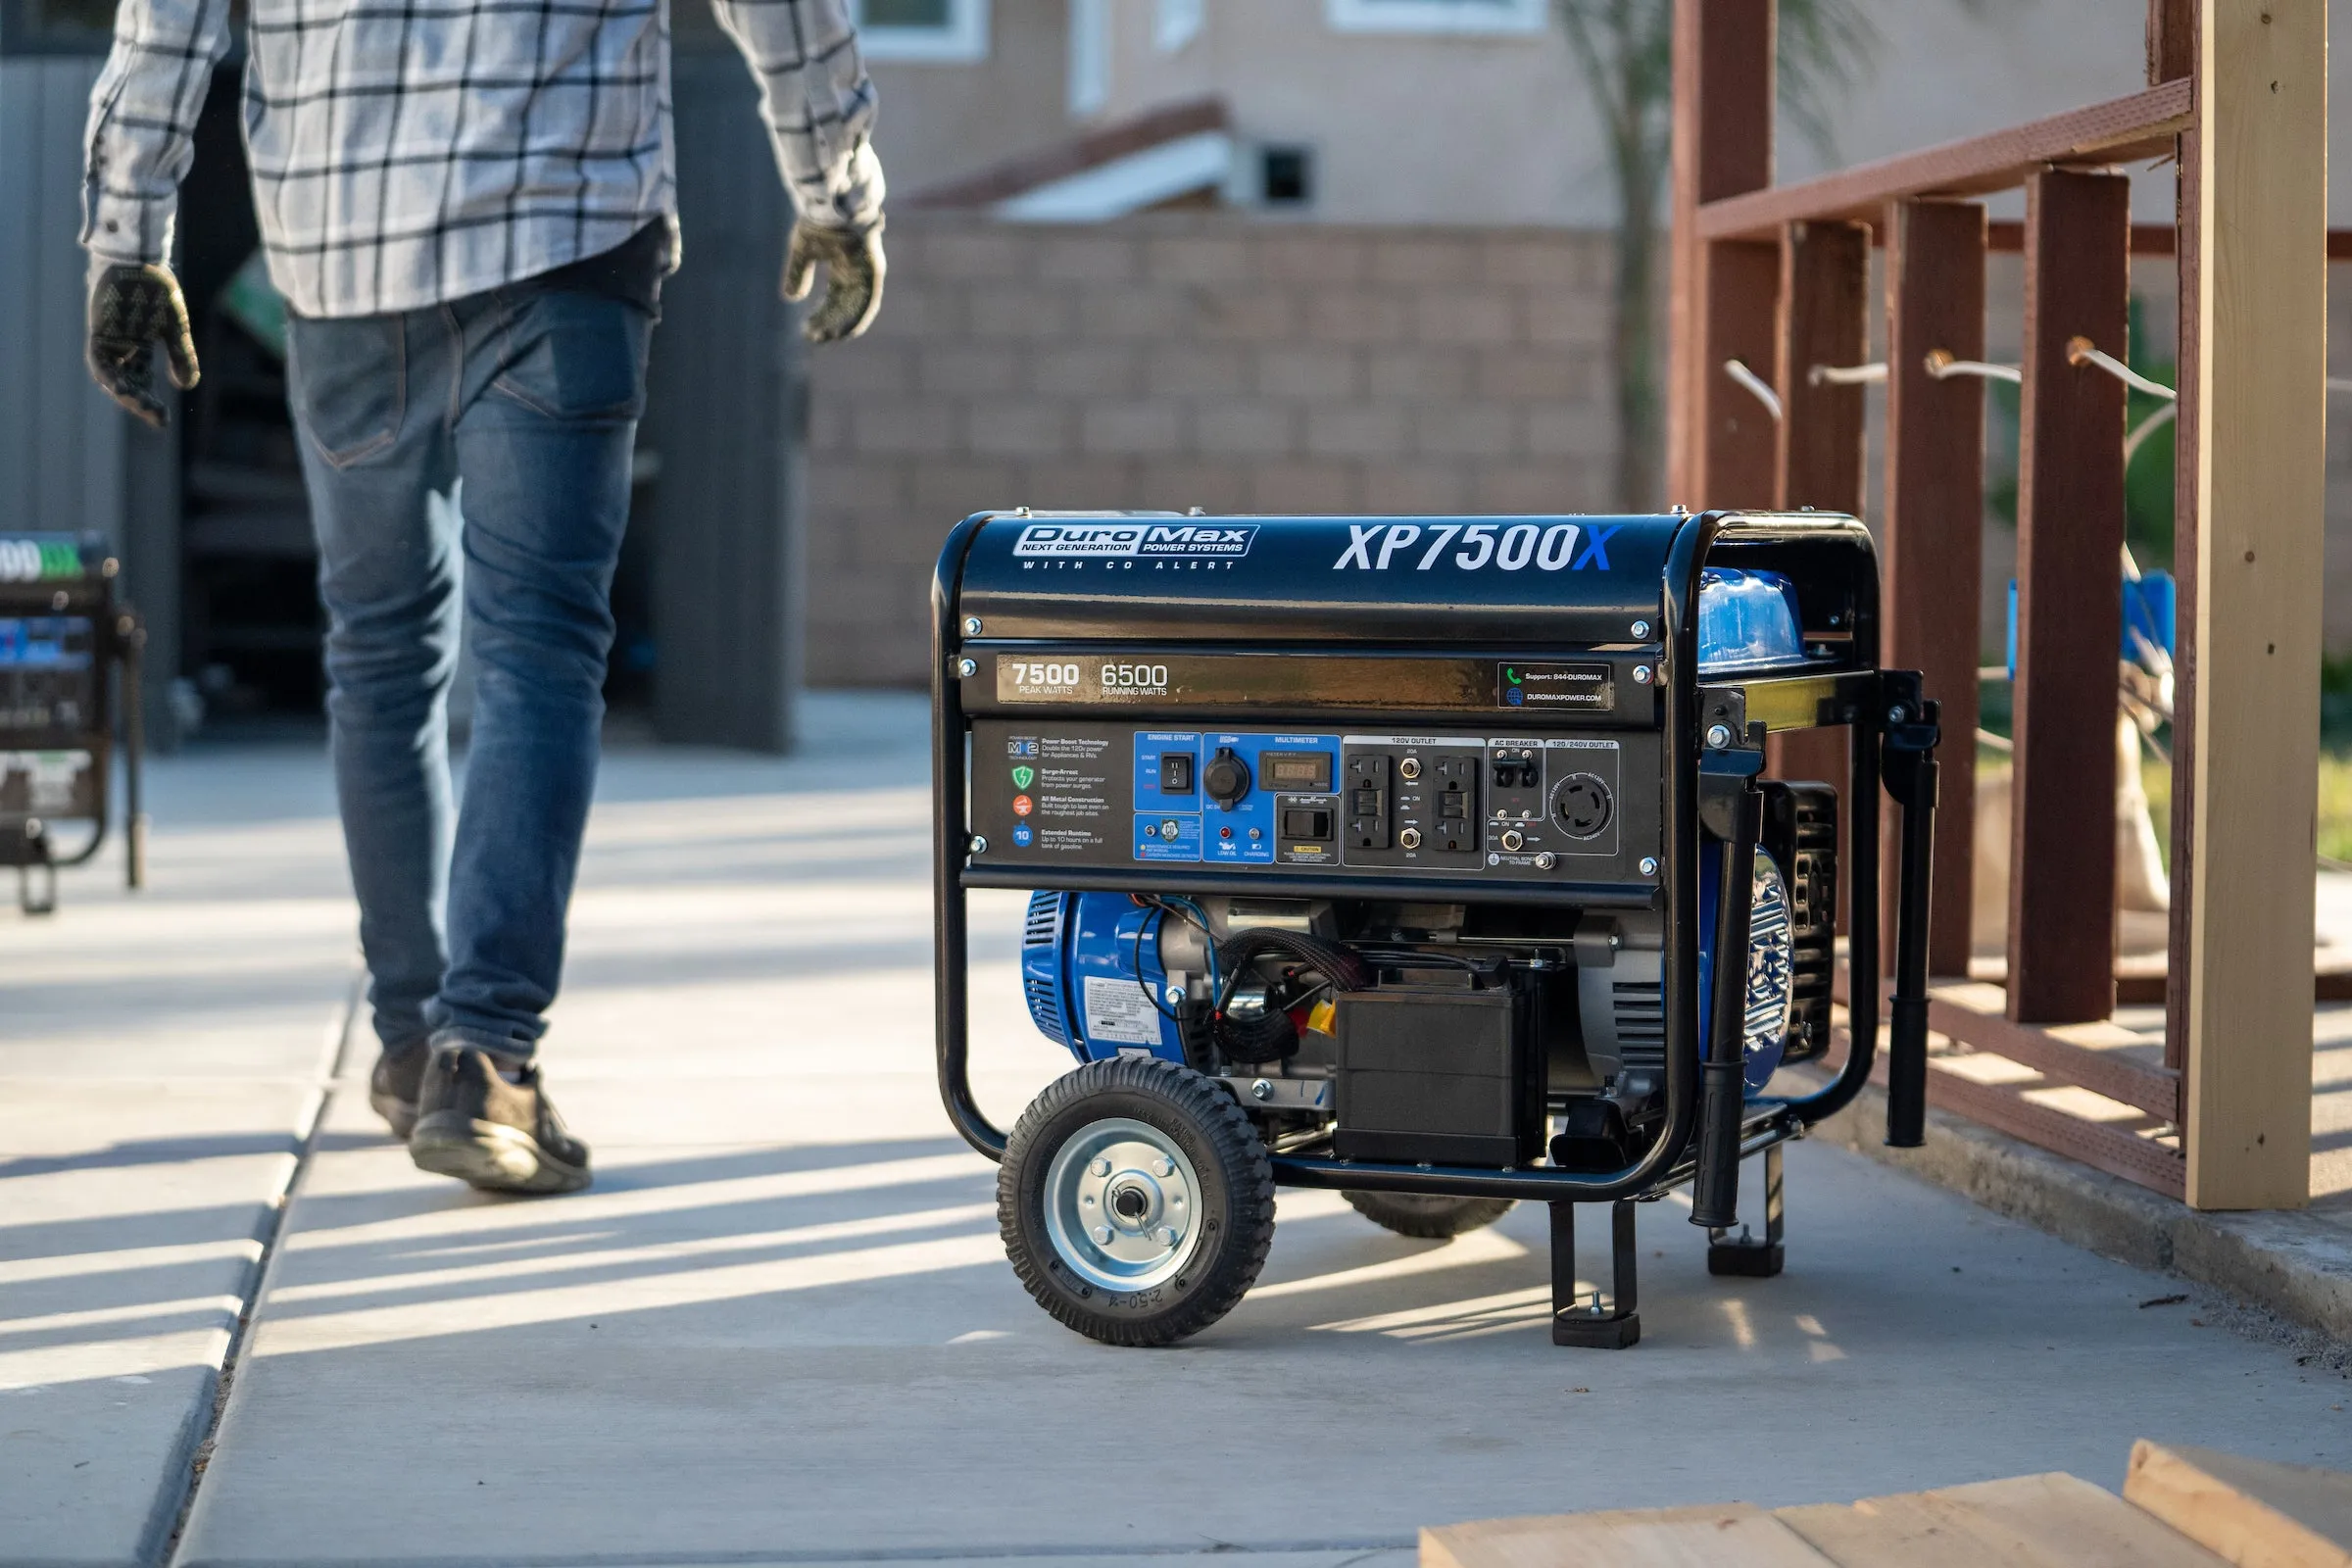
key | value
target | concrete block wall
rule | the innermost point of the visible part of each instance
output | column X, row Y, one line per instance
column 1198, row 359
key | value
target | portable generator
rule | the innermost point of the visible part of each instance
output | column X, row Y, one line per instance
column 1404, row 857
column 63, row 637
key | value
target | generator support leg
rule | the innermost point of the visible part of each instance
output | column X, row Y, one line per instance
column 1612, row 1327
column 1749, row 1257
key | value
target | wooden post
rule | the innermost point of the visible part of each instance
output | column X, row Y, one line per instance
column 2171, row 40
column 2069, row 535
column 2261, row 456
column 1934, row 529
column 2186, row 245
column 1720, row 440
column 1824, row 319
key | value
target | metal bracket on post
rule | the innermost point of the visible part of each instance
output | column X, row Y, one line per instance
column 1616, row 1326
column 1912, row 733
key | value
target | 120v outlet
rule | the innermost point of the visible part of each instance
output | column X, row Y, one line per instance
column 1582, row 805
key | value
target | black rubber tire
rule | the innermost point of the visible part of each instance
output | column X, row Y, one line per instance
column 1427, row 1217
column 1236, row 1200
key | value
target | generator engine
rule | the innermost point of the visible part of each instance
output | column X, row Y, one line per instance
column 1427, row 859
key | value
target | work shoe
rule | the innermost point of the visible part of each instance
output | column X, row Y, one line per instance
column 504, row 1137
column 392, row 1088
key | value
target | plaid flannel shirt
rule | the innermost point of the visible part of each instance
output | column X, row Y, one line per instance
column 408, row 152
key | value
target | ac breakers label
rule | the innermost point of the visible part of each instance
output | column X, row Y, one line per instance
column 1520, row 805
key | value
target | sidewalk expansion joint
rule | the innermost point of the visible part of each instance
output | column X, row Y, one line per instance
column 1344, row 1554
column 336, row 1041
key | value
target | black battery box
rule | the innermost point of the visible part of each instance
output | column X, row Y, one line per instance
column 1442, row 1074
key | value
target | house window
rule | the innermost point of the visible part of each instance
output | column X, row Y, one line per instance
column 1286, row 176
column 923, row 30
column 1435, row 16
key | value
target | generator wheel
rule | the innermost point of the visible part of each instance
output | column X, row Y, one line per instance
column 1136, row 1200
column 1427, row 1216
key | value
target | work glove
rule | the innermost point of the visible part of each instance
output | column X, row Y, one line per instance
column 854, row 269
column 134, row 310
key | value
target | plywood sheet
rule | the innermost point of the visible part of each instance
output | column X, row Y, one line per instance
column 1732, row 1535
column 2251, row 1512
column 2043, row 1521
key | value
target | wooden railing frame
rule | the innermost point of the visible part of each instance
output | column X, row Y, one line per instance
column 1774, row 275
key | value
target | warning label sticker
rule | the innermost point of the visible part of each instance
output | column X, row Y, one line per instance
column 1119, row 1009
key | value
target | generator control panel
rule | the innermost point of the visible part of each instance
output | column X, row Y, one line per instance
column 1072, row 793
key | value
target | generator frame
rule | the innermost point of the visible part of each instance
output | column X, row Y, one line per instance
column 1715, row 731
column 118, row 639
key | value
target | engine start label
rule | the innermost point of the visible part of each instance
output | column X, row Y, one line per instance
column 1147, row 541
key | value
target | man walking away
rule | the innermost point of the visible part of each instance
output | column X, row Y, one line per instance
column 470, row 207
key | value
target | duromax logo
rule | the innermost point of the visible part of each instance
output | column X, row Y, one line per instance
column 1087, row 541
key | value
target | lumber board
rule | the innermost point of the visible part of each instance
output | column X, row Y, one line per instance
column 2089, row 1054
column 2252, row 1512
column 2141, row 126
column 1822, row 318
column 1723, row 120
column 1732, row 1535
column 2042, row 1521
column 2188, row 353
column 2171, row 39
column 1735, row 453
column 2005, row 1108
column 1933, row 528
column 2260, row 432
column 2070, row 531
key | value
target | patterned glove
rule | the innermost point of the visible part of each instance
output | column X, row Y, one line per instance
column 854, row 269
column 132, row 310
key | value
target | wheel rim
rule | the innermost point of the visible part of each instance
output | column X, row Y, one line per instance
column 1122, row 1205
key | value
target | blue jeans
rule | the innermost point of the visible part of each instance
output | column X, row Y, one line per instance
column 530, row 396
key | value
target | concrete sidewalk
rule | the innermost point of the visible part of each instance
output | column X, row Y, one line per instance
column 781, row 1329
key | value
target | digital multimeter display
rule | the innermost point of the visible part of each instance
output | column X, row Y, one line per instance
column 1294, row 770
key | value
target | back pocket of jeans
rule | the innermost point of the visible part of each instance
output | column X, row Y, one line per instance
column 350, row 384
column 573, row 356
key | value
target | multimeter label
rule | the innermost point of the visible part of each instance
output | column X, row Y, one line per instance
column 1577, row 688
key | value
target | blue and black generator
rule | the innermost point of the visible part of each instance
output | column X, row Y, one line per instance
column 68, row 653
column 1399, row 856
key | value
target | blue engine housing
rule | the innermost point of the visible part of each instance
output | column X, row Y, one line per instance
column 1092, row 973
